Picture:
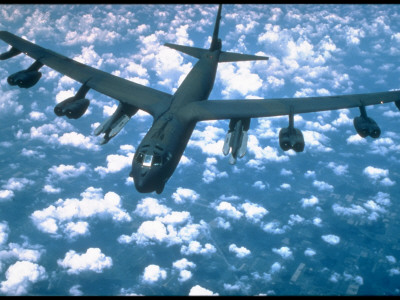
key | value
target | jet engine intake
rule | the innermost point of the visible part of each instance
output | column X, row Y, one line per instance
column 113, row 125
column 366, row 126
column 291, row 138
column 72, row 107
column 26, row 78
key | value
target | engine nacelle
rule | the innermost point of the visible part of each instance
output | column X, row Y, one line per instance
column 24, row 79
column 72, row 107
column 366, row 126
column 291, row 139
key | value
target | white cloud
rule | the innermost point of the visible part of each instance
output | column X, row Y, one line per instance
column 309, row 252
column 182, row 265
column 259, row 184
column 293, row 219
column 182, row 195
column 239, row 251
column 147, row 232
column 73, row 229
column 49, row 189
column 93, row 260
column 322, row 186
column 238, row 78
column 356, row 139
column 78, row 140
column 339, row 170
column 309, row 202
column 331, row 239
column 198, row 290
column 228, row 209
column 6, row 195
column 253, row 212
column 149, row 207
column 63, row 172
column 4, row 230
column 378, row 175
column 21, row 276
column 348, row 211
column 15, row 184
column 153, row 273
column 93, row 203
column 115, row 163
column 273, row 227
column 75, row 290
column 194, row 247
column 284, row 252
column 210, row 140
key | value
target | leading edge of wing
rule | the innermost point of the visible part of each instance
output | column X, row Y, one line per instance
column 143, row 97
column 227, row 109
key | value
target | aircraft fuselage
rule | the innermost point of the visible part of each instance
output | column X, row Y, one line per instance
column 161, row 149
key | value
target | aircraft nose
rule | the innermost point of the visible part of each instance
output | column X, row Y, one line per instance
column 142, row 184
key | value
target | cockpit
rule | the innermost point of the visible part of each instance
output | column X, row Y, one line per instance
column 148, row 156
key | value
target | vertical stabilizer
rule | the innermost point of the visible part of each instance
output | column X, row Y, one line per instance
column 215, row 42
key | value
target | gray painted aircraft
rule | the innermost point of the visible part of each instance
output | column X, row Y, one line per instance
column 175, row 116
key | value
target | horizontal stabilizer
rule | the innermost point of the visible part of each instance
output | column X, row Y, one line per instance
column 231, row 57
column 192, row 51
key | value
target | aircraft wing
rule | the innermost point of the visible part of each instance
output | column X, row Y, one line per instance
column 249, row 108
column 140, row 96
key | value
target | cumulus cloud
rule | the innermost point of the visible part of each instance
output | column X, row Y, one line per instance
column 182, row 195
column 92, row 260
column 331, row 239
column 149, row 207
column 6, row 195
column 309, row 202
column 240, row 252
column 339, row 170
column 273, row 227
column 284, row 252
column 93, row 204
column 14, row 184
column 378, row 175
column 115, row 163
column 4, row 230
column 182, row 265
column 63, row 172
column 21, row 276
column 322, row 186
column 253, row 212
column 309, row 252
column 198, row 290
column 153, row 273
column 194, row 247
column 229, row 210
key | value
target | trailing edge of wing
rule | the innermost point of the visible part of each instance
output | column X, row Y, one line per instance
column 126, row 91
column 227, row 109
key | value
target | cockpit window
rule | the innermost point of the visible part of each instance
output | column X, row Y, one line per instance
column 148, row 158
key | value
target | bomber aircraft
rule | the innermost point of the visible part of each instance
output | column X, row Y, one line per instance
column 175, row 116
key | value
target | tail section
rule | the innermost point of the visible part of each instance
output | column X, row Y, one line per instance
column 216, row 42
column 215, row 45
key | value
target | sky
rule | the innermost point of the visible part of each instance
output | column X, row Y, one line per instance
column 321, row 222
